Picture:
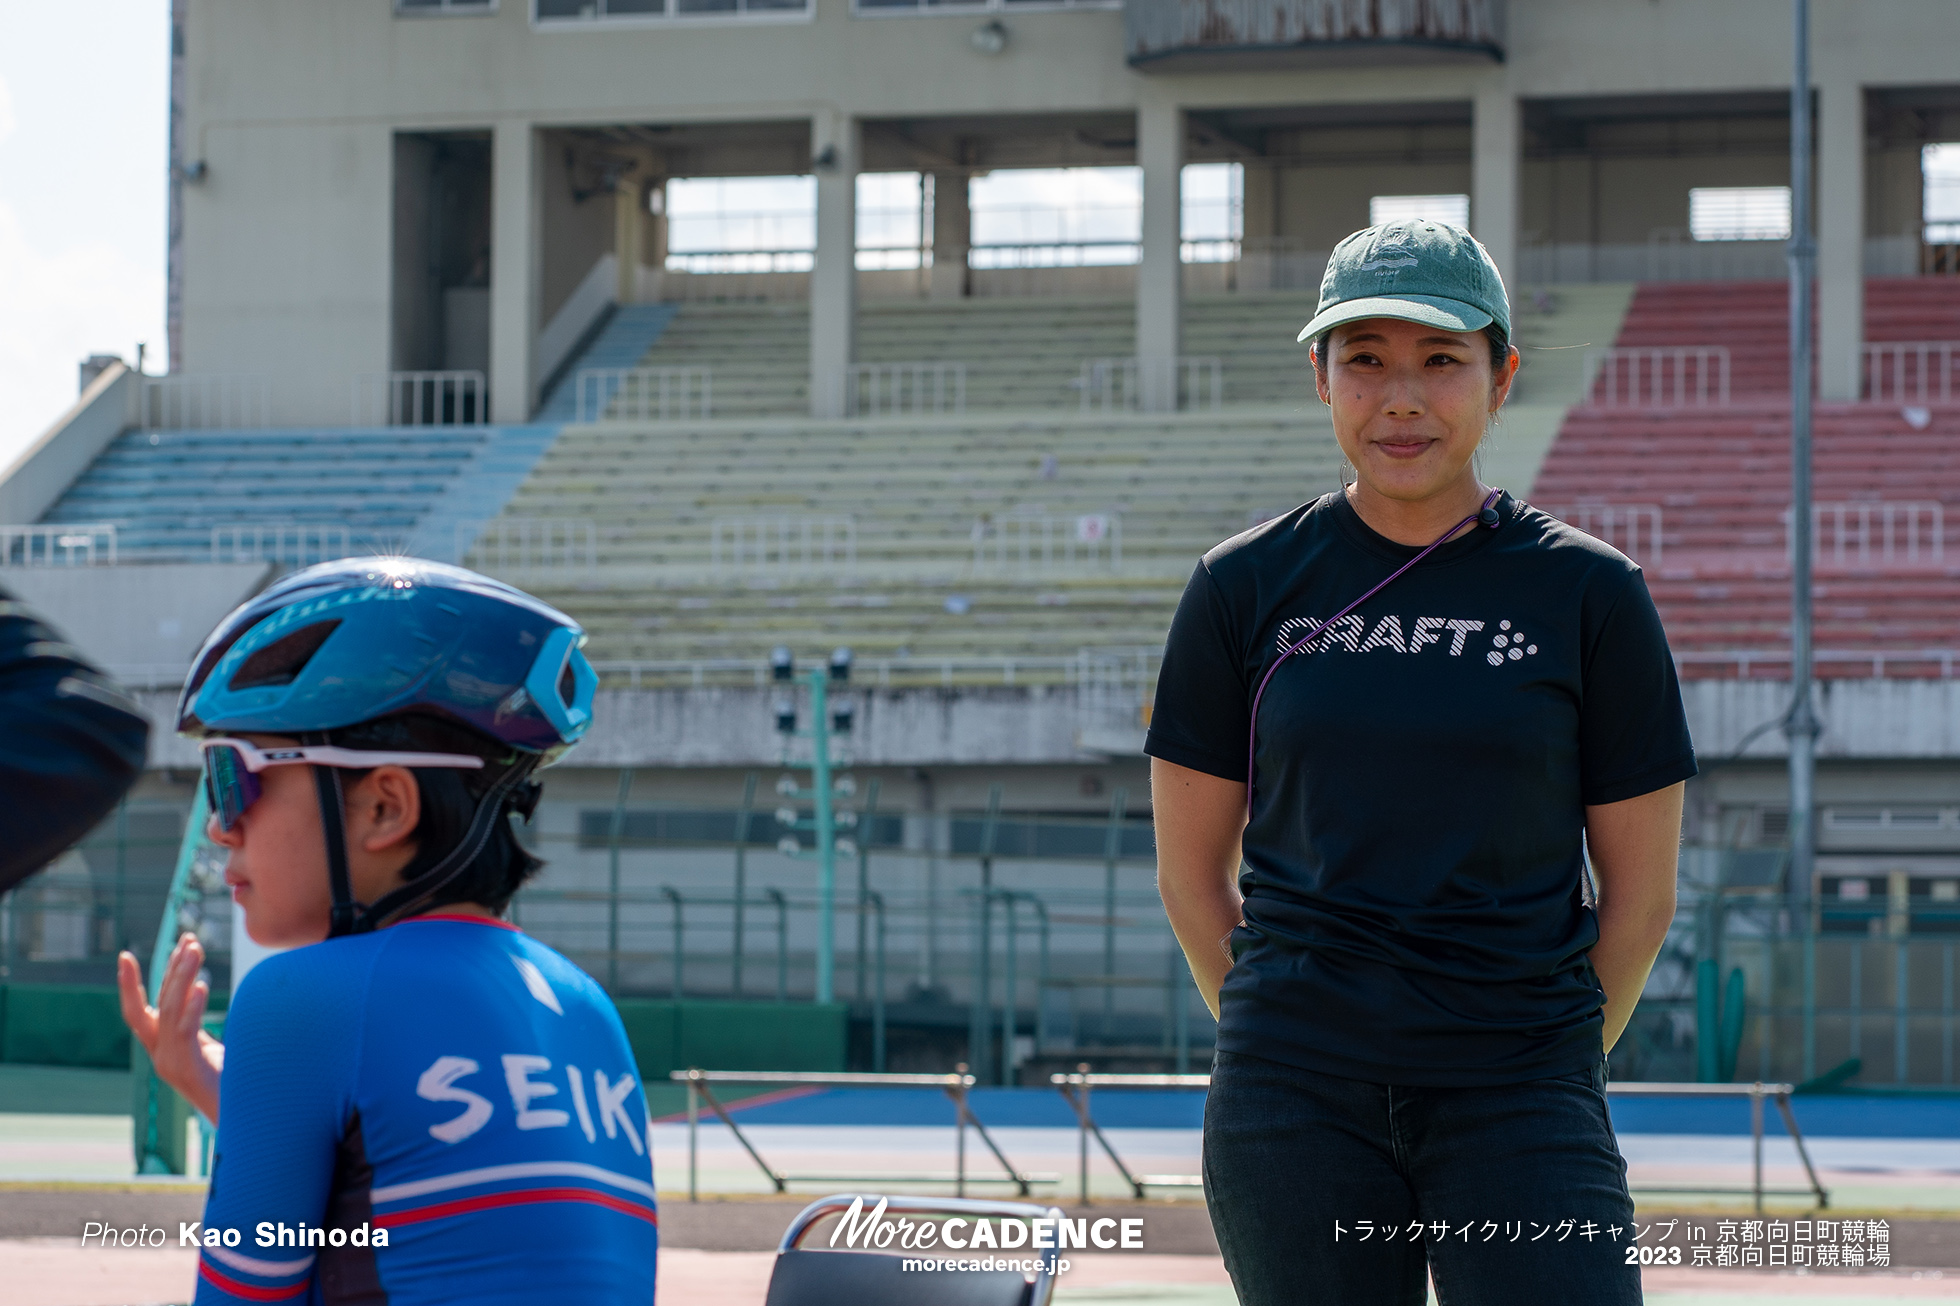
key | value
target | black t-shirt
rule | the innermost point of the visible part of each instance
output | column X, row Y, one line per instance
column 1412, row 871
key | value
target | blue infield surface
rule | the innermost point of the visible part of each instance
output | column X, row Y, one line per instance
column 1823, row 1116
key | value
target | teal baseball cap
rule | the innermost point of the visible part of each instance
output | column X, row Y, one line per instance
column 1414, row 270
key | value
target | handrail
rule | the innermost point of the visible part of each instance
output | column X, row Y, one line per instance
column 644, row 394
column 1658, row 376
column 1620, row 525
column 1911, row 371
column 190, row 401
column 428, row 398
column 1845, row 528
column 768, row 543
column 1151, row 383
column 1028, row 540
column 1876, row 659
column 1075, row 1088
column 523, row 543
column 889, row 389
column 37, row 545
column 956, row 1086
column 268, row 542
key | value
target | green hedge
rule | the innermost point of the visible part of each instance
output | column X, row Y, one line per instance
column 669, row 1036
column 62, row 1025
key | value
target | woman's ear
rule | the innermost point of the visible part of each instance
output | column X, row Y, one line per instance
column 1316, row 355
column 1500, row 388
column 384, row 810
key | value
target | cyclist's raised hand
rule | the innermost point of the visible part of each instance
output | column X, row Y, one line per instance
column 172, row 1033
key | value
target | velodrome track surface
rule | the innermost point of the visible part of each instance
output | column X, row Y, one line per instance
column 1878, row 1154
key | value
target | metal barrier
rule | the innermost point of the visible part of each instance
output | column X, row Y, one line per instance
column 523, row 543
column 1158, row 384
column 1075, row 1088
column 1911, row 372
column 450, row 398
column 887, row 389
column 190, row 402
column 1874, row 533
column 1665, row 376
column 1030, row 540
column 298, row 543
column 784, row 544
column 955, row 1085
column 58, row 546
column 1632, row 528
column 645, row 394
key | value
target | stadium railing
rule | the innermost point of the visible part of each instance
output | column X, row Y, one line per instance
column 50, row 545
column 1076, row 1088
column 528, row 543
column 436, row 398
column 1657, row 376
column 645, row 394
column 1868, row 533
column 1912, row 372
column 1116, row 384
column 193, row 402
column 956, row 1086
column 1632, row 528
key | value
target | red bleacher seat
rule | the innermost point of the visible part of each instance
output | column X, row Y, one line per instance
column 1721, row 476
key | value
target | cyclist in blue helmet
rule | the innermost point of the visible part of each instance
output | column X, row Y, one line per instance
column 425, row 1105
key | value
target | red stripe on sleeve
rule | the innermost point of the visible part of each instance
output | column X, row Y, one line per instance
column 521, row 1197
column 225, row 1283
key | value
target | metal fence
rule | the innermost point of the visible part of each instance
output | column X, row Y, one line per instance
column 823, row 543
column 1153, row 384
column 890, row 389
column 1912, row 372
column 528, row 543
column 1632, row 528
column 296, row 544
column 1873, row 534
column 1046, row 937
column 451, row 398
column 1031, row 542
column 58, row 546
column 645, row 394
column 1663, row 376
column 192, row 402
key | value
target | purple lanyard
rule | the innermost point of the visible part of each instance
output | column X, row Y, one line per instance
column 1252, row 737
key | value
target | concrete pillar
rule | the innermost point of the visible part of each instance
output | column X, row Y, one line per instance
column 515, row 215
column 952, row 235
column 1258, row 250
column 629, row 210
column 1840, row 240
column 835, row 140
column 1160, row 276
column 1495, row 148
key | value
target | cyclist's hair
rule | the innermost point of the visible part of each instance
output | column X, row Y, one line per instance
column 1500, row 347
column 450, row 799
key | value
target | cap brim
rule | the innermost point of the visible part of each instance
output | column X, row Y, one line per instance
column 1428, row 310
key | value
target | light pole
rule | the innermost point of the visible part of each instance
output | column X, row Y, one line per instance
column 826, row 723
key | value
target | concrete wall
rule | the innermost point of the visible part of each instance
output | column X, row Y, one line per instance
column 46, row 468
column 140, row 622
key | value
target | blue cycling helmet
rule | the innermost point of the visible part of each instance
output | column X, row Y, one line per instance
column 364, row 640
column 350, row 641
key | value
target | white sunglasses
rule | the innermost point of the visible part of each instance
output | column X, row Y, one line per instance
column 231, row 768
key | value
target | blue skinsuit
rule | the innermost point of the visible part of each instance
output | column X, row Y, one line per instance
column 452, row 1083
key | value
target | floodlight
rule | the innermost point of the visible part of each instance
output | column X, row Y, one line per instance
column 786, row 785
column 786, row 715
column 785, row 816
column 847, row 848
column 782, row 663
column 840, row 718
column 845, row 787
column 788, row 846
column 840, row 665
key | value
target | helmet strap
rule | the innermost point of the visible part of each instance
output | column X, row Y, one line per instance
column 333, row 825
column 411, row 898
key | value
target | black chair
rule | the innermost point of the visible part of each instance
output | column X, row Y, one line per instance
column 805, row 1277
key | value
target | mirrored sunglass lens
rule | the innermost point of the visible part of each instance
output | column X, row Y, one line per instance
column 232, row 787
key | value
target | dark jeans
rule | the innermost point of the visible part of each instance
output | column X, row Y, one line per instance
column 1306, row 1174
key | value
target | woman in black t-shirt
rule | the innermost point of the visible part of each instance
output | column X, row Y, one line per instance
column 1373, row 820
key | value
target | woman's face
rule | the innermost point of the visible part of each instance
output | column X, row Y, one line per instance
column 278, row 865
column 1410, row 402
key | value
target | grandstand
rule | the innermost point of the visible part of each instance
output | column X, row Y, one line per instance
column 986, row 462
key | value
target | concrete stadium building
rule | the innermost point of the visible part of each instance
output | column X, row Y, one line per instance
column 433, row 289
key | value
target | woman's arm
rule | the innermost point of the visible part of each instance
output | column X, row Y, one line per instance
column 1199, row 819
column 1635, row 848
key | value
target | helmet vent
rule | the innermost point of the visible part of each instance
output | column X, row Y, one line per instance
column 567, row 685
column 280, row 662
